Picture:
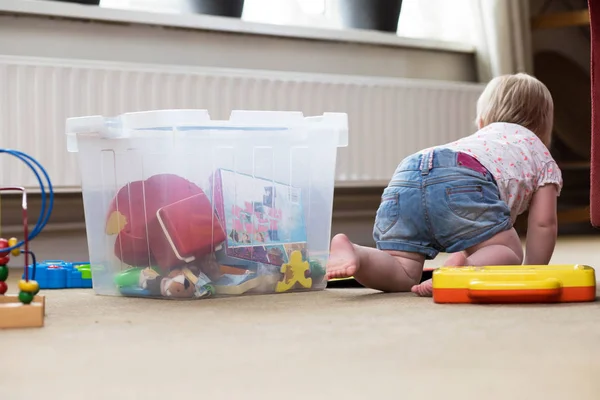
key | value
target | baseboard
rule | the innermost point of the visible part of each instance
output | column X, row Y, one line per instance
column 67, row 209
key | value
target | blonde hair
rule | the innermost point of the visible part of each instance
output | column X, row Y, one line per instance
column 519, row 99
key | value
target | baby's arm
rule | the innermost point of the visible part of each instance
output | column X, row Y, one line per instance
column 541, row 226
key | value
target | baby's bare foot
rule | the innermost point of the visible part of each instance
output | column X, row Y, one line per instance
column 343, row 260
column 425, row 289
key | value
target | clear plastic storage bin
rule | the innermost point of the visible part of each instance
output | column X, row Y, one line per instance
column 180, row 206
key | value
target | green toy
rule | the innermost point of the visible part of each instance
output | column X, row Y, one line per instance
column 317, row 271
column 131, row 277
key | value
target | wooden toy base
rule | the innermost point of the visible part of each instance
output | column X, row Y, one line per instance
column 14, row 314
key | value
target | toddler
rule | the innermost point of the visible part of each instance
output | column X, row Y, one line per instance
column 463, row 197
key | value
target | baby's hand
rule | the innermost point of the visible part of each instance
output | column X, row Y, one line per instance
column 541, row 226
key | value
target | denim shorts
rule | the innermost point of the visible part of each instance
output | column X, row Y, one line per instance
column 439, row 201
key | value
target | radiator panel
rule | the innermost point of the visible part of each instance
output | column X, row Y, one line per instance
column 389, row 118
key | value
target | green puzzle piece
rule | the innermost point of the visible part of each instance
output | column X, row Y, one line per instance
column 86, row 271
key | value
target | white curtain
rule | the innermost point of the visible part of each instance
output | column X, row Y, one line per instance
column 503, row 40
column 498, row 29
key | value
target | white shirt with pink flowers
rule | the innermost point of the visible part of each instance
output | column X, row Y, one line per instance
column 516, row 157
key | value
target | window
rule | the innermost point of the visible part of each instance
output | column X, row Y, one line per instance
column 315, row 13
column 160, row 6
column 431, row 19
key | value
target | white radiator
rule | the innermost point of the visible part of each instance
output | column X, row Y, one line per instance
column 389, row 118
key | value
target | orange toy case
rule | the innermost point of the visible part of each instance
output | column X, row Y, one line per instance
column 514, row 284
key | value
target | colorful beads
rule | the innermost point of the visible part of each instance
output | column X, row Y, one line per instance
column 3, row 277
column 28, row 289
column 29, row 286
column 25, row 297
column 13, row 242
column 3, row 245
column 3, row 273
column 4, row 258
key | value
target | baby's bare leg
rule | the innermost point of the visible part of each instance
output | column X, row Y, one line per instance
column 388, row 271
column 503, row 249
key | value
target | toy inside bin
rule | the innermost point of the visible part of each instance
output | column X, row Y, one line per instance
column 181, row 206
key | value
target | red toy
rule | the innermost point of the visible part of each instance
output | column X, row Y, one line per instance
column 157, row 222
column 184, row 231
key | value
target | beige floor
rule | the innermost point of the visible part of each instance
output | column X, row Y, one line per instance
column 353, row 344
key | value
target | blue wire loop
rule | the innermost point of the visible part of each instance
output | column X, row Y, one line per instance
column 46, row 209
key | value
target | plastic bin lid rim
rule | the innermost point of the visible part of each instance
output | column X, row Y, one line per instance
column 119, row 126
column 180, row 118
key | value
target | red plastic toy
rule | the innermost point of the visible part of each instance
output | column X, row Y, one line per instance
column 184, row 231
column 164, row 221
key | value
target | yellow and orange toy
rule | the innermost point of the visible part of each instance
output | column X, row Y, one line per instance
column 515, row 284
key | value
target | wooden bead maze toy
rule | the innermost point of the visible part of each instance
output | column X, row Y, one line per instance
column 27, row 308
